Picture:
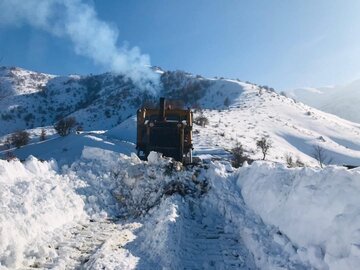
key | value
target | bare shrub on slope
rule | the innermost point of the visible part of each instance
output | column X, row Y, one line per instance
column 239, row 156
column 64, row 126
column 319, row 153
column 264, row 144
column 20, row 138
column 201, row 120
column 291, row 162
column 43, row 135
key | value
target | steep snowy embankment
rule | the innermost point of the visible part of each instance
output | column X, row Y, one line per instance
column 319, row 210
column 35, row 201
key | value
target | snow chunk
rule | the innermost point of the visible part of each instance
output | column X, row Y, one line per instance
column 154, row 158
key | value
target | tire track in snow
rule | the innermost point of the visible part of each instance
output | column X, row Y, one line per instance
column 84, row 241
column 207, row 244
column 75, row 246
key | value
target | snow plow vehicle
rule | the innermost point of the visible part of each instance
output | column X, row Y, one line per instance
column 165, row 130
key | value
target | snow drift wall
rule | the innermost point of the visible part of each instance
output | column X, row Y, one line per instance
column 318, row 209
column 35, row 201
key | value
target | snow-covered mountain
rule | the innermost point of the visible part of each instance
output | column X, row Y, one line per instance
column 237, row 112
column 86, row 200
column 339, row 100
column 16, row 81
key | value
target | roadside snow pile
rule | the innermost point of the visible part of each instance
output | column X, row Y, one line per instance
column 35, row 201
column 225, row 204
column 118, row 185
column 319, row 210
column 158, row 243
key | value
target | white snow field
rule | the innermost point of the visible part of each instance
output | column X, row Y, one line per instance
column 86, row 201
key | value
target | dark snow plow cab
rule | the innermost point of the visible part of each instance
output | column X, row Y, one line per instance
column 165, row 130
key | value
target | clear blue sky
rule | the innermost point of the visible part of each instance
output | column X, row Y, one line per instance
column 284, row 44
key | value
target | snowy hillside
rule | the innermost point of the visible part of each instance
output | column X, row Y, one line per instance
column 294, row 128
column 237, row 111
column 91, row 99
column 339, row 100
column 86, row 201
column 17, row 81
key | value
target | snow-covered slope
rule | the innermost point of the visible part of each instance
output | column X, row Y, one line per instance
column 17, row 81
column 339, row 100
column 294, row 128
column 97, row 102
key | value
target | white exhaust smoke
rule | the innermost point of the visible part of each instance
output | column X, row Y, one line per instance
column 93, row 38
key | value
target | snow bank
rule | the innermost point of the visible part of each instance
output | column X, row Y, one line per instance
column 269, row 248
column 35, row 201
column 161, row 234
column 319, row 210
column 114, row 184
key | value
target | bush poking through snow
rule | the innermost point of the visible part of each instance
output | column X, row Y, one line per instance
column 7, row 142
column 292, row 163
column 64, row 126
column 201, row 120
column 289, row 160
column 20, row 138
column 238, row 156
column 282, row 93
column 9, row 155
column 43, row 135
column 264, row 144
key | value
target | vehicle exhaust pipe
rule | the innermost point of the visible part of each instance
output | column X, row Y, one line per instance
column 162, row 109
